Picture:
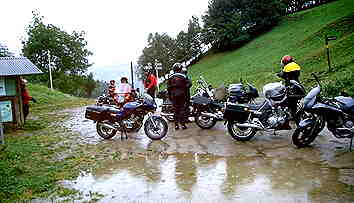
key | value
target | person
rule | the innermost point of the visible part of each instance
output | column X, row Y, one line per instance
column 150, row 84
column 290, row 71
column 26, row 98
column 177, row 88
column 188, row 96
column 124, row 89
column 111, row 88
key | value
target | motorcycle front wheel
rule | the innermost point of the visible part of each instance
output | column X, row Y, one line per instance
column 105, row 132
column 240, row 133
column 302, row 137
column 204, row 122
column 155, row 127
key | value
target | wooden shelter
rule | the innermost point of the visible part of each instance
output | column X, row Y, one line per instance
column 11, row 69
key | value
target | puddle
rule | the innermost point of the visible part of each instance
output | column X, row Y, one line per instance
column 197, row 165
column 207, row 178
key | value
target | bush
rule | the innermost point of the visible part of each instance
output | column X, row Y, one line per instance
column 343, row 83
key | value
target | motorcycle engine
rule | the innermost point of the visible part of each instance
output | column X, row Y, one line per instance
column 276, row 119
column 129, row 123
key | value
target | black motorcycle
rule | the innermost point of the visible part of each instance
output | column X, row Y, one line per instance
column 337, row 112
column 274, row 113
column 129, row 118
column 105, row 100
column 211, row 107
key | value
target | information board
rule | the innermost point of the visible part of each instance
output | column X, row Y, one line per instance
column 2, row 87
column 6, row 111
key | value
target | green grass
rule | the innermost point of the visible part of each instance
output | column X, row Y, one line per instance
column 29, row 165
column 300, row 35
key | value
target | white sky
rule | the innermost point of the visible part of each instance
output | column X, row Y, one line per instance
column 116, row 31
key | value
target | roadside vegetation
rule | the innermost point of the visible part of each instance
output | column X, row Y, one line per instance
column 301, row 35
column 29, row 163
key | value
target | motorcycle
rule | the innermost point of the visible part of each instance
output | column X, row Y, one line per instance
column 212, row 109
column 167, row 109
column 119, row 101
column 105, row 100
column 337, row 112
column 129, row 118
column 244, row 120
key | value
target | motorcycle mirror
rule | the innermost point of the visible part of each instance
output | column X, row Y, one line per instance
column 316, row 78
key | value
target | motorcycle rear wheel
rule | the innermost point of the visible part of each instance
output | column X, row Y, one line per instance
column 155, row 133
column 104, row 132
column 238, row 133
column 204, row 122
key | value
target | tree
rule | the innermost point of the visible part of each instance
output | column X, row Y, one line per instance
column 4, row 51
column 67, row 52
column 230, row 23
column 160, row 49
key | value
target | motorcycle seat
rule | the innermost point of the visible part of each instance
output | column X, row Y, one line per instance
column 255, row 106
column 347, row 104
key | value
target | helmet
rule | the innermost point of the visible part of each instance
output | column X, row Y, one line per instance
column 285, row 60
column 177, row 67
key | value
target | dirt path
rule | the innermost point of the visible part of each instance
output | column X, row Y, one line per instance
column 197, row 165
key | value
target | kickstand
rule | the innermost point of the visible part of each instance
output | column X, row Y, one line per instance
column 274, row 132
column 351, row 144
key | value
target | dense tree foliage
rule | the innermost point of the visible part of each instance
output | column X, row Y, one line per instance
column 67, row 54
column 229, row 23
column 4, row 51
column 166, row 50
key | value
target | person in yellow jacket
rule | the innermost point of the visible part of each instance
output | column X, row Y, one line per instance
column 291, row 70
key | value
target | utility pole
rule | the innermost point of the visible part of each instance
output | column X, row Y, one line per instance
column 132, row 73
column 50, row 71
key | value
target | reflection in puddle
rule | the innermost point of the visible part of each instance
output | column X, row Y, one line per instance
column 207, row 178
column 208, row 166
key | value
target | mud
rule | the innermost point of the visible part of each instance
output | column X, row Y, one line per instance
column 196, row 165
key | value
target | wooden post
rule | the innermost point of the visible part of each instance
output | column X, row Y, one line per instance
column 327, row 47
column 2, row 136
column 50, row 71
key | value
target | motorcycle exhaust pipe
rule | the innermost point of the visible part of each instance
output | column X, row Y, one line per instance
column 167, row 114
column 346, row 130
column 249, row 125
column 211, row 115
column 110, row 126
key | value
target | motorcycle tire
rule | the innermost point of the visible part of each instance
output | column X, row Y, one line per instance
column 104, row 132
column 238, row 133
column 204, row 122
column 302, row 137
column 155, row 133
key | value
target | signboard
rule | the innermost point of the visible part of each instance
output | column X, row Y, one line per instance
column 2, row 87
column 331, row 38
column 6, row 111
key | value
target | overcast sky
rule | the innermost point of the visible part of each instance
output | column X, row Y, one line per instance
column 116, row 31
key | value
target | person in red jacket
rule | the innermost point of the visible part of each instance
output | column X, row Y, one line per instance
column 26, row 98
column 150, row 84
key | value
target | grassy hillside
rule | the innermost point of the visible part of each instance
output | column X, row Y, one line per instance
column 300, row 35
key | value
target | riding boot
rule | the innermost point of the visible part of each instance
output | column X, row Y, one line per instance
column 176, row 126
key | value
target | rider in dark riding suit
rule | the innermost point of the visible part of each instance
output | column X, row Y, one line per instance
column 178, row 87
column 290, row 71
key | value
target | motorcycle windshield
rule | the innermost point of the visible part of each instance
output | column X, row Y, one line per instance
column 310, row 98
column 149, row 101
